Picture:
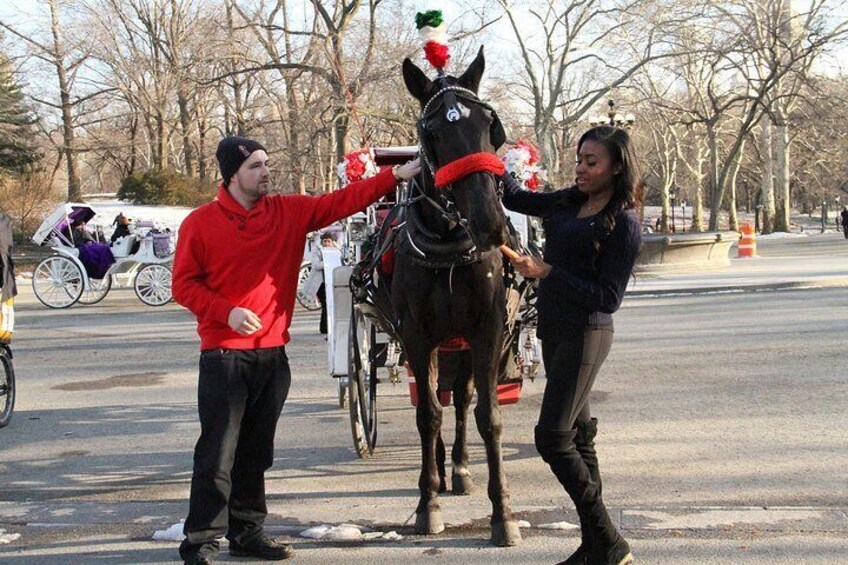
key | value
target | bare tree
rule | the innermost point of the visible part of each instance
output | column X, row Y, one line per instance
column 65, row 59
column 582, row 50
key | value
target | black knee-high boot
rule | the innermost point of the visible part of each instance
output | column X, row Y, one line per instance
column 584, row 441
column 559, row 451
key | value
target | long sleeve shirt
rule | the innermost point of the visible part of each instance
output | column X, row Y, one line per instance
column 229, row 257
column 582, row 280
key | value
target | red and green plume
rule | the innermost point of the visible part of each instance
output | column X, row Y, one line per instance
column 431, row 30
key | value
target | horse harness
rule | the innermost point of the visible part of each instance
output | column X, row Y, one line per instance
column 456, row 247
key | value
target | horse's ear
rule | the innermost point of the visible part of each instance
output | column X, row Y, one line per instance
column 415, row 80
column 470, row 79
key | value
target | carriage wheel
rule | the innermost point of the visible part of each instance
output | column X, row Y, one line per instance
column 362, row 384
column 57, row 282
column 98, row 288
column 153, row 285
column 7, row 387
column 310, row 303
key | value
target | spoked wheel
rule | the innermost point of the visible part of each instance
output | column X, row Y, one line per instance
column 153, row 285
column 7, row 386
column 310, row 303
column 362, row 384
column 57, row 282
column 97, row 290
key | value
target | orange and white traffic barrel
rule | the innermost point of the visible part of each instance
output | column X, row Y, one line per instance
column 747, row 241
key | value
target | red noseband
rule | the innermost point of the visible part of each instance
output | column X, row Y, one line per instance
column 464, row 166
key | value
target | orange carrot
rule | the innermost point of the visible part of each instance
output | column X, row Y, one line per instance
column 510, row 254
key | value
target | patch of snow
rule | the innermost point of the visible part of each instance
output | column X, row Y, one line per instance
column 7, row 538
column 174, row 533
column 558, row 526
column 782, row 235
column 347, row 532
column 524, row 524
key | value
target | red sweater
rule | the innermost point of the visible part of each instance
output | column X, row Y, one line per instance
column 230, row 257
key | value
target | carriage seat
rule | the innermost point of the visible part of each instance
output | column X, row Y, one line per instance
column 125, row 246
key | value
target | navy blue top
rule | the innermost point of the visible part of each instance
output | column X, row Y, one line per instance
column 582, row 280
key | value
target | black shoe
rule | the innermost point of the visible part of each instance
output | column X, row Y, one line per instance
column 262, row 547
column 198, row 554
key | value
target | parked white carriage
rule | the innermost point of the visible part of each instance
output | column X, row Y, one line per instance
column 144, row 257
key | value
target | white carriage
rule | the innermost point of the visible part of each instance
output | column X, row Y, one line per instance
column 143, row 256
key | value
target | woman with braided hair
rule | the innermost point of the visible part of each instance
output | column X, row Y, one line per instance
column 592, row 237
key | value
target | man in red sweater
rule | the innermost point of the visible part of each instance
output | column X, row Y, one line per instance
column 236, row 268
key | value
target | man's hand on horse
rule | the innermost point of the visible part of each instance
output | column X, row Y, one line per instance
column 408, row 169
column 531, row 267
column 243, row 321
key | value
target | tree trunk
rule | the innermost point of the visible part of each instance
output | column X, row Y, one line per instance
column 766, row 182
column 201, row 148
column 781, row 173
column 734, row 175
column 697, row 158
column 68, row 138
column 185, row 124
column 713, row 179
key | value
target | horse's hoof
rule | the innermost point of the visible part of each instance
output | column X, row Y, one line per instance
column 462, row 484
column 506, row 534
column 429, row 522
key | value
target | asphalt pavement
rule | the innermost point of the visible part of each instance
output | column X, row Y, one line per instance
column 722, row 436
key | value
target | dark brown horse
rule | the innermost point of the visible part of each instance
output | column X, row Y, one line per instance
column 448, row 283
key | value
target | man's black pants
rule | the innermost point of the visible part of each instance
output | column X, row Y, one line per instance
column 240, row 396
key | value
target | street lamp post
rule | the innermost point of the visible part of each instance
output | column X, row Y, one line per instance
column 683, row 214
column 613, row 118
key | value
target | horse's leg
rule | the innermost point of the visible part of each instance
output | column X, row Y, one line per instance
column 463, row 389
column 440, row 462
column 484, row 354
column 428, row 418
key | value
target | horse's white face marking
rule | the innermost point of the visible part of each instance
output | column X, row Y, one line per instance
column 489, row 275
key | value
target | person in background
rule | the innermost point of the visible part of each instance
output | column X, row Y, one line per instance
column 78, row 234
column 844, row 216
column 122, row 227
column 592, row 237
column 318, row 274
column 236, row 269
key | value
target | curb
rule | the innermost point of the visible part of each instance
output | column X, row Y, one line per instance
column 763, row 287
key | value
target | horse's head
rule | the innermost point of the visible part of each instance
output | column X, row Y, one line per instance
column 459, row 135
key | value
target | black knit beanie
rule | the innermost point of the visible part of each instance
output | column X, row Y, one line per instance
column 232, row 152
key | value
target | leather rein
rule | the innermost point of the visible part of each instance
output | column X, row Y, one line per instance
column 426, row 247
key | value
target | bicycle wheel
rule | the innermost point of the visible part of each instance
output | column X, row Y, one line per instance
column 312, row 303
column 7, row 386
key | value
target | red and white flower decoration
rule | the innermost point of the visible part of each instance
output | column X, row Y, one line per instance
column 356, row 166
column 523, row 163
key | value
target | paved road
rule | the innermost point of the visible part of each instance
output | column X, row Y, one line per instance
column 722, row 438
